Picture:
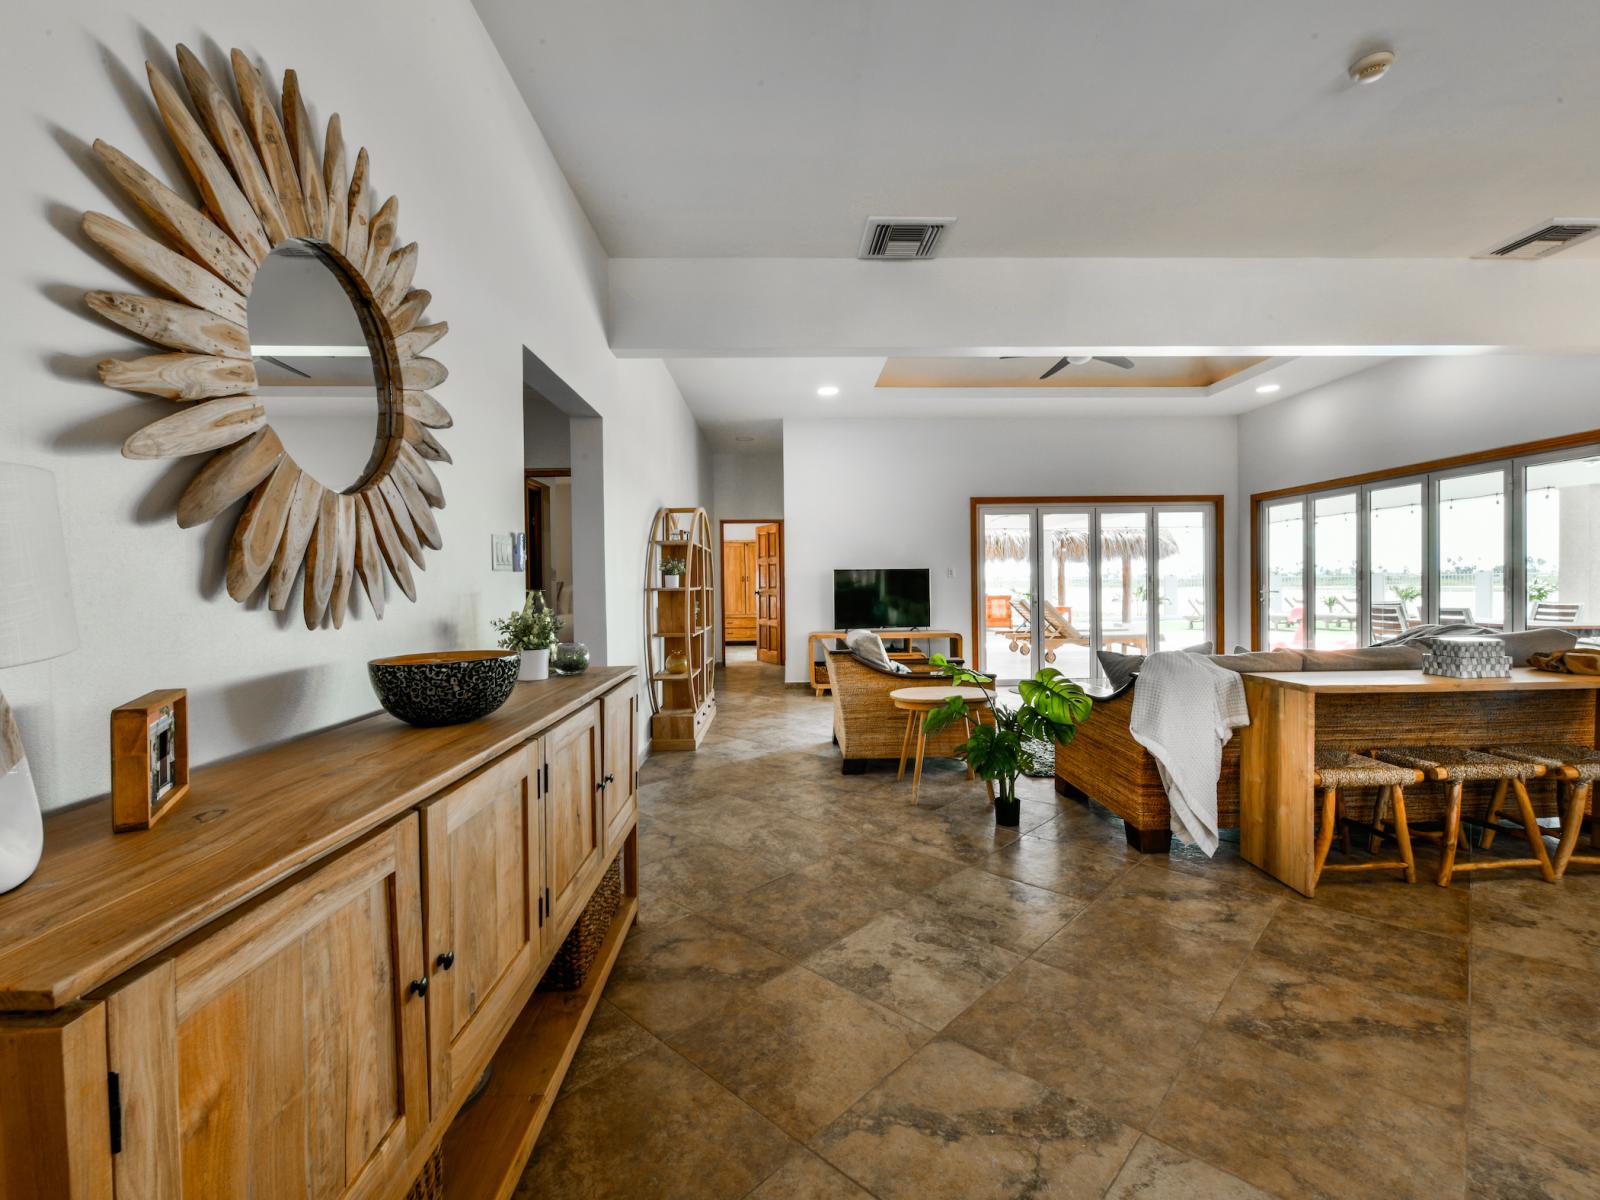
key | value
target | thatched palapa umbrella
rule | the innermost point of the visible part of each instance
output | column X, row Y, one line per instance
column 1072, row 545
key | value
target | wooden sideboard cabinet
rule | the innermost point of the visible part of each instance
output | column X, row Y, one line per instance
column 292, row 993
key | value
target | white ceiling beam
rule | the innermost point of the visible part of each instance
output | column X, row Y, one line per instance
column 733, row 307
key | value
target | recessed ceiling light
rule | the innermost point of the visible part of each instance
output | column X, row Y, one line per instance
column 1372, row 67
column 827, row 390
column 1266, row 389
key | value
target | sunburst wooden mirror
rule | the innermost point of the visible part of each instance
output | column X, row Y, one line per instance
column 296, row 352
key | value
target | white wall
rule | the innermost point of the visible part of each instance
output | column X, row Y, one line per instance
column 1408, row 411
column 546, row 432
column 506, row 252
column 898, row 494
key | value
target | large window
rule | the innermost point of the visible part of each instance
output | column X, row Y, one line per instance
column 1057, row 581
column 1508, row 543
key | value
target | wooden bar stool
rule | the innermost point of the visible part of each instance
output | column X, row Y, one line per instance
column 1575, row 768
column 1339, row 769
column 1455, row 766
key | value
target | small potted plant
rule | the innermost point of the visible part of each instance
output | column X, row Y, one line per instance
column 1051, row 710
column 672, row 572
column 531, row 630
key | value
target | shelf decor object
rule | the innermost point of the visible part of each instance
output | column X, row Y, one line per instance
column 36, row 623
column 149, row 758
column 270, row 191
column 679, row 647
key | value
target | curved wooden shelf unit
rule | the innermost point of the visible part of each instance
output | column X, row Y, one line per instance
column 678, row 621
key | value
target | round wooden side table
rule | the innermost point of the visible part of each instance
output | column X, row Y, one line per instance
column 917, row 702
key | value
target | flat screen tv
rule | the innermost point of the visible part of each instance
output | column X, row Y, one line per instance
column 890, row 598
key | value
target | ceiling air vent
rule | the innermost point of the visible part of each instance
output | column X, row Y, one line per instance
column 901, row 237
column 1544, row 240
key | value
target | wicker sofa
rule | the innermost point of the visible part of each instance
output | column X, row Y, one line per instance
column 866, row 724
column 1104, row 764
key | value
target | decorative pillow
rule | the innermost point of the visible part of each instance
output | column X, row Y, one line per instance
column 1248, row 661
column 1122, row 669
column 1367, row 658
column 868, row 647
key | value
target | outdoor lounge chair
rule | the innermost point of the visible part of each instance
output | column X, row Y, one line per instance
column 1388, row 620
column 1548, row 612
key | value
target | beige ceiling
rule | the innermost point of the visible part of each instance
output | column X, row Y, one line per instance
column 1166, row 371
column 774, row 128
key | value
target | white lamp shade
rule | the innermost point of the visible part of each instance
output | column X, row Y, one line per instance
column 36, row 617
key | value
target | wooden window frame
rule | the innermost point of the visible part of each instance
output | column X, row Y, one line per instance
column 1219, row 575
column 1504, row 454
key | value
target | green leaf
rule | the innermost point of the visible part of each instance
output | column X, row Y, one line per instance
column 1063, row 703
column 940, row 718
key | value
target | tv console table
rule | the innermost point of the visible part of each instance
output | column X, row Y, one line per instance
column 909, row 638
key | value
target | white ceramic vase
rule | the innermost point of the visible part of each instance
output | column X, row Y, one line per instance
column 671, row 581
column 535, row 665
column 21, row 825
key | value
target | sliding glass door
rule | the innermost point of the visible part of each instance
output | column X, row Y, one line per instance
column 1058, row 582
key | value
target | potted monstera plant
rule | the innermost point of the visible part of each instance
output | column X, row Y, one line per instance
column 1051, row 709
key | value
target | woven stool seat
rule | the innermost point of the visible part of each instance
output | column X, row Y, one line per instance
column 1457, row 764
column 1575, row 769
column 1556, row 757
column 1344, row 769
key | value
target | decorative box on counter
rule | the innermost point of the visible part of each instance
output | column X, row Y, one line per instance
column 1466, row 656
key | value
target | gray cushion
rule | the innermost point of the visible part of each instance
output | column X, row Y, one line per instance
column 868, row 647
column 1523, row 646
column 1245, row 661
column 1368, row 658
column 1122, row 669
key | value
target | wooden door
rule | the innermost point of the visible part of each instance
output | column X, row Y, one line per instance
column 574, row 834
column 483, row 879
column 738, row 592
column 619, row 800
column 769, row 593
column 282, row 1054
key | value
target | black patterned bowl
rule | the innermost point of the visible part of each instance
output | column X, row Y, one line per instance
column 446, row 687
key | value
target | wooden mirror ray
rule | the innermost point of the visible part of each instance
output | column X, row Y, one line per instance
column 263, row 180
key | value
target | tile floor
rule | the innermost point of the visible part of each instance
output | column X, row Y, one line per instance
column 835, row 994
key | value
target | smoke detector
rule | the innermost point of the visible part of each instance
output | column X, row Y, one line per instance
column 1370, row 68
column 1547, row 238
column 902, row 237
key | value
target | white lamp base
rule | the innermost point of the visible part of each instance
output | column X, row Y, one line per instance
column 21, row 825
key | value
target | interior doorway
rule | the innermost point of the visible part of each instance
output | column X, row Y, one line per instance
column 548, row 523
column 750, row 556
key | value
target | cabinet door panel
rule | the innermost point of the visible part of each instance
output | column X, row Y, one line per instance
column 618, row 797
column 296, row 1049
column 572, row 810
column 482, row 862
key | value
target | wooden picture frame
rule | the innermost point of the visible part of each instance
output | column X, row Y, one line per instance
column 135, row 803
column 263, row 179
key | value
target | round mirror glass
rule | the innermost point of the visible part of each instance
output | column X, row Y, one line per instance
column 316, row 377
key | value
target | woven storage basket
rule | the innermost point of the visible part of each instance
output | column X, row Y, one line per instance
column 570, row 967
column 429, row 1184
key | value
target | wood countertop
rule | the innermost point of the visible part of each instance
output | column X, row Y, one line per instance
column 102, row 902
column 1398, row 682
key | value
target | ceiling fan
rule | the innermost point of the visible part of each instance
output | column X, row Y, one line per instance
column 1077, row 360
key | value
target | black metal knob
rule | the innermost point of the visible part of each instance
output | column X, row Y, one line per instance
column 446, row 960
column 610, row 779
column 419, row 987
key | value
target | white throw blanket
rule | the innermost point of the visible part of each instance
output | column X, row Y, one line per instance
column 1185, row 708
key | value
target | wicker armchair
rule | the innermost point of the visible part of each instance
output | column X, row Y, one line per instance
column 866, row 724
